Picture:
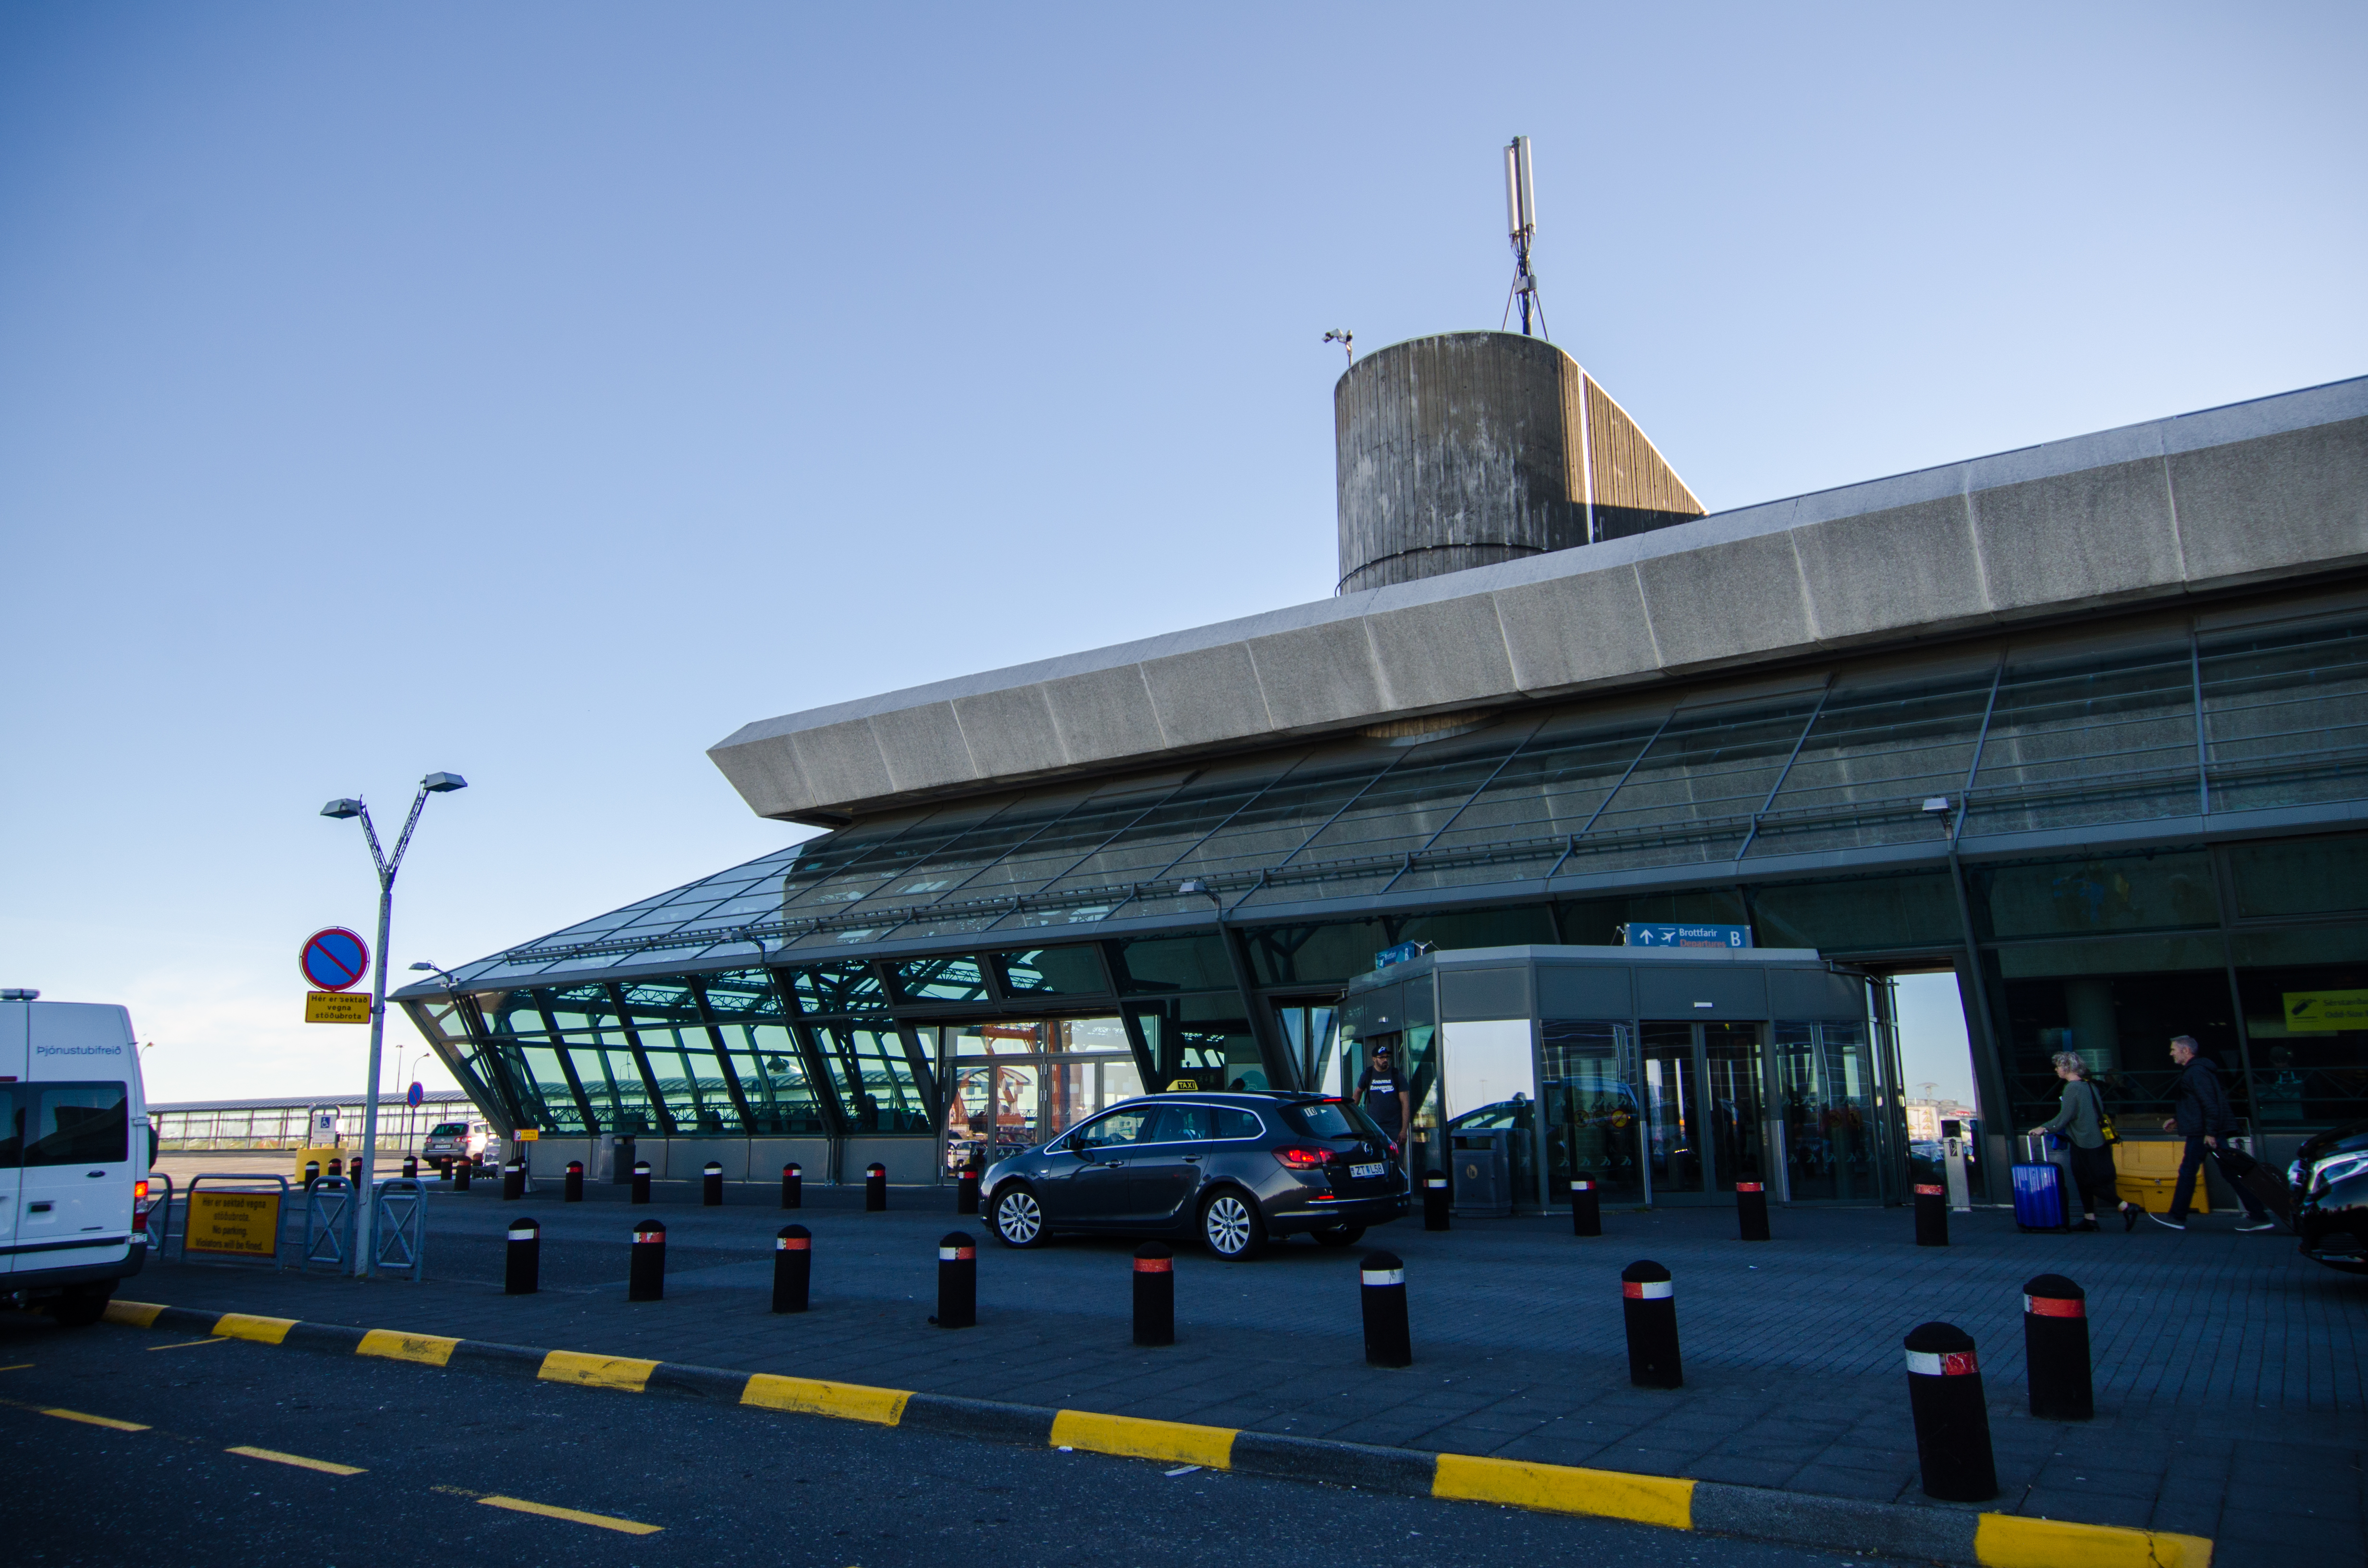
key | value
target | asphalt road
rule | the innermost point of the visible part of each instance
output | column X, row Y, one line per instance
column 123, row 1446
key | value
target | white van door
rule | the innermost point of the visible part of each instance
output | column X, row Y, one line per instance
column 74, row 1201
column 12, row 1125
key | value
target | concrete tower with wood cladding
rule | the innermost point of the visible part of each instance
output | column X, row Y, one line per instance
column 1472, row 448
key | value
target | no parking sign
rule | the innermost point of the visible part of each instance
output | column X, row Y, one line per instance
column 333, row 959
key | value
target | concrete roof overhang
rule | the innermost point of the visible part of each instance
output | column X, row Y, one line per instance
column 2266, row 491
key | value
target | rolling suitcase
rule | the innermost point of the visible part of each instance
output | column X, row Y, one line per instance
column 2243, row 1171
column 2038, row 1197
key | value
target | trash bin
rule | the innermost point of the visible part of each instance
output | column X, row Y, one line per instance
column 620, row 1157
column 1480, row 1171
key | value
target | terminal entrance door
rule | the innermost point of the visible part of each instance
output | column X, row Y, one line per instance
column 1705, row 1106
column 1011, row 1085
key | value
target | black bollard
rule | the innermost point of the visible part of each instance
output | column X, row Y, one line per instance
column 1381, row 1281
column 1751, row 1210
column 1931, row 1214
column 1649, row 1305
column 957, row 1281
column 966, row 1191
column 575, row 1193
column 1952, row 1424
column 646, row 1282
column 337, row 1167
column 2056, row 1349
column 792, row 1267
column 1154, row 1294
column 1585, row 1208
column 513, row 1181
column 641, row 1181
column 875, row 1188
column 462, row 1171
column 411, row 1167
column 519, row 1276
column 311, row 1172
column 793, row 1186
column 1434, row 1201
column 710, row 1190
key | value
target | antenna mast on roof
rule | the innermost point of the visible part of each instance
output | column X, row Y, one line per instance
column 1521, row 218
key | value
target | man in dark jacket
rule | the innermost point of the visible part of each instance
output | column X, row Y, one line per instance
column 2201, row 1112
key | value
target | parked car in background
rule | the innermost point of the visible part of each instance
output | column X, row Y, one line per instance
column 450, row 1142
column 1234, row 1171
column 2329, row 1177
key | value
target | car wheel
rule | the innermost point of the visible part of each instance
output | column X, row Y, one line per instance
column 1231, row 1226
column 1019, row 1217
column 1338, row 1235
column 82, row 1305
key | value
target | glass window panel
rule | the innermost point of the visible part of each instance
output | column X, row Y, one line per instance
column 1270, row 828
column 75, row 1124
column 781, row 1100
column 1825, row 1094
column 1155, row 840
column 1324, row 954
column 2089, row 739
column 1553, row 786
column 1863, row 913
column 2116, row 1005
column 848, row 987
column 612, row 1082
column 1171, row 963
column 1591, row 1109
column 1517, row 927
column 1053, row 971
column 956, row 978
column 1711, row 768
column 2125, row 892
column 556, row 1109
column 882, row 1093
column 2300, row 876
column 1201, row 1042
column 2286, row 714
column 2306, row 995
column 1873, row 757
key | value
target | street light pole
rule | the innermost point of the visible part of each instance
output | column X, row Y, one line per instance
column 365, row 1236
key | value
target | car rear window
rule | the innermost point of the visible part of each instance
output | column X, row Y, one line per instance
column 447, row 1129
column 1329, row 1118
column 76, row 1124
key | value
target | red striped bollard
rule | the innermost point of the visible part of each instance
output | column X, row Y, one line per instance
column 1751, row 1210
column 513, row 1181
column 792, row 1267
column 711, row 1185
column 573, row 1184
column 1585, row 1208
column 1952, row 1424
column 646, row 1279
column 2056, row 1349
column 1154, row 1294
column 957, row 1280
column 1648, row 1305
column 793, row 1186
column 875, row 1188
column 966, row 1190
column 1931, row 1214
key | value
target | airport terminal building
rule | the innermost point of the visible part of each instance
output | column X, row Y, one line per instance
column 2085, row 724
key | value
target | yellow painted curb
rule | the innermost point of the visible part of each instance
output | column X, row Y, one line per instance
column 245, row 1326
column 597, row 1371
column 1133, row 1437
column 1661, row 1500
column 134, row 1314
column 2011, row 1540
column 427, row 1349
column 811, row 1396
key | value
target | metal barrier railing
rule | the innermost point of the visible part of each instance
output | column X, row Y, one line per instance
column 158, row 1221
column 402, row 1227
column 329, row 1220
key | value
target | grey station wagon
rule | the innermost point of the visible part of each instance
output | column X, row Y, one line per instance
column 1234, row 1170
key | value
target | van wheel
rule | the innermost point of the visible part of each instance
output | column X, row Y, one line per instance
column 1338, row 1235
column 1231, row 1226
column 82, row 1305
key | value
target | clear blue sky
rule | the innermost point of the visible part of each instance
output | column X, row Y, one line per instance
column 541, row 391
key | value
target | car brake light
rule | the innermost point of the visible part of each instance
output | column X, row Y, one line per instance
column 139, row 1204
column 1302, row 1159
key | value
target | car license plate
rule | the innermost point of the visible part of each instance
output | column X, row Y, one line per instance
column 1362, row 1172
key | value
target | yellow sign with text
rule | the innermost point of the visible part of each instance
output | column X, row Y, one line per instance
column 2326, row 1012
column 244, row 1225
column 335, row 1007
column 528, row 1134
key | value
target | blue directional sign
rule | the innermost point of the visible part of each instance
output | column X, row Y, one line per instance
column 1405, row 952
column 1638, row 934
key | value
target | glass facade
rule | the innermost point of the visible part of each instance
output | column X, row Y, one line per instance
column 2114, row 834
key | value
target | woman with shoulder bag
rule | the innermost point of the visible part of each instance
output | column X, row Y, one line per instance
column 2085, row 1126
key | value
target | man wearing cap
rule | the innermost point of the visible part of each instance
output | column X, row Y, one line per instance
column 1382, row 1089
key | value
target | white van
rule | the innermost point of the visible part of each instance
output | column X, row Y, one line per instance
column 73, row 1155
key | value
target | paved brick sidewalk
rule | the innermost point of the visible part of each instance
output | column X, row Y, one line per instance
column 2230, row 1385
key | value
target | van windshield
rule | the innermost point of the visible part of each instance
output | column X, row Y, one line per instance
column 448, row 1130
